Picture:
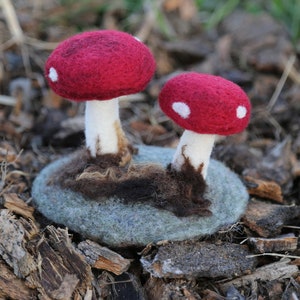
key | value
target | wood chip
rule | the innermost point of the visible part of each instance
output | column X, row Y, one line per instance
column 278, row 270
column 128, row 286
column 7, row 155
column 296, row 167
column 160, row 289
column 286, row 242
column 15, row 204
column 60, row 268
column 264, row 189
column 14, row 235
column 47, row 260
column 53, row 100
column 143, row 127
column 296, row 262
column 267, row 219
column 66, row 288
column 103, row 258
column 211, row 295
column 12, row 287
column 198, row 259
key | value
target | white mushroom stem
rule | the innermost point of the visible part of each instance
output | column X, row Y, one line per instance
column 102, row 127
column 197, row 148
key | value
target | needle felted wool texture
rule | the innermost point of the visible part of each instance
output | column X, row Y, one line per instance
column 205, row 104
column 118, row 224
column 101, row 65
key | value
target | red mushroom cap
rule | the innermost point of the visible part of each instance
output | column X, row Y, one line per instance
column 205, row 104
column 101, row 65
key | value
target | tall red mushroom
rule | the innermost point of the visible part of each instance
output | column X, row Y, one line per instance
column 98, row 67
column 205, row 105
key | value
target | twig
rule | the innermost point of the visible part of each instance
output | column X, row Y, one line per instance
column 294, row 296
column 7, row 44
column 40, row 44
column 18, row 36
column 3, row 171
column 88, row 295
column 266, row 113
column 12, row 22
column 295, row 75
column 7, row 100
column 281, row 82
column 148, row 24
column 291, row 227
column 279, row 270
column 274, row 254
column 16, row 31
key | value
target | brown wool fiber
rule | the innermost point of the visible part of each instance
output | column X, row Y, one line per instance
column 179, row 192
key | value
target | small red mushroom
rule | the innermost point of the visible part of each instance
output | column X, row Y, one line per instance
column 98, row 67
column 205, row 105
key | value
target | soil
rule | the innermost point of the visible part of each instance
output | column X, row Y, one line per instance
column 37, row 127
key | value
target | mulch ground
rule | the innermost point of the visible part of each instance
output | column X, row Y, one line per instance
column 256, row 258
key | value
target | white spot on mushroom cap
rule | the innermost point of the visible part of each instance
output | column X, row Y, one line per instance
column 182, row 109
column 241, row 112
column 53, row 74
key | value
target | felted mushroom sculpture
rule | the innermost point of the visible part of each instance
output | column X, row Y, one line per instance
column 205, row 106
column 98, row 67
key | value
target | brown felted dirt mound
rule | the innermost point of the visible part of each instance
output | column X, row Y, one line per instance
column 179, row 192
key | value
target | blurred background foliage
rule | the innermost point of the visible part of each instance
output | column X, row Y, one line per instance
column 85, row 13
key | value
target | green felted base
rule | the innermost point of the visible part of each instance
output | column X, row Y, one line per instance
column 119, row 225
